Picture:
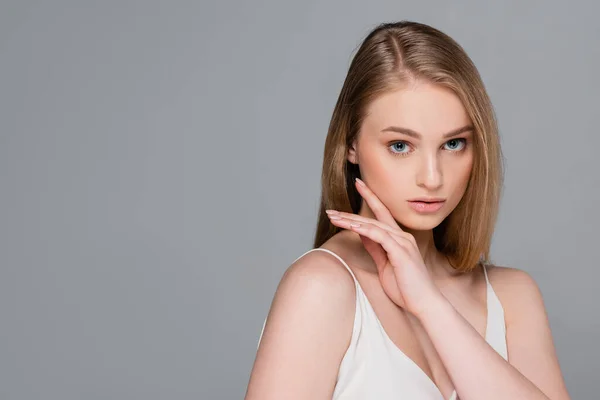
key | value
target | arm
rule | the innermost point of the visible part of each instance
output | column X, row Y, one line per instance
column 477, row 370
column 308, row 330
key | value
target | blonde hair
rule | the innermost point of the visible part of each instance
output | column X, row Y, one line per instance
column 390, row 56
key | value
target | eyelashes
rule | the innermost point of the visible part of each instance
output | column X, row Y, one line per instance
column 403, row 148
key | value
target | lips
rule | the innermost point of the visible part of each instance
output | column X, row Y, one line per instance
column 426, row 205
column 428, row 199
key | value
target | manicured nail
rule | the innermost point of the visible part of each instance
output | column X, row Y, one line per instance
column 360, row 182
column 332, row 212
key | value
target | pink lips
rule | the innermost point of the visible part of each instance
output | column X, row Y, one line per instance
column 426, row 207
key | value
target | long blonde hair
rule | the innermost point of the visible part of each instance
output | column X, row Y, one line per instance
column 391, row 55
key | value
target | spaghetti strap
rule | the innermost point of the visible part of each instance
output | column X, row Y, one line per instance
column 495, row 333
column 336, row 256
column 357, row 285
column 373, row 366
column 485, row 273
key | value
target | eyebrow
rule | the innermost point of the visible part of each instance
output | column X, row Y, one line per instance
column 417, row 135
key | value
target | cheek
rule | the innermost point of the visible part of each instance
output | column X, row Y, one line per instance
column 373, row 167
column 460, row 172
column 389, row 179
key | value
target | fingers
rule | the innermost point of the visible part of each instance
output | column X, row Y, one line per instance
column 395, row 232
column 376, row 234
column 375, row 250
column 379, row 209
column 376, row 230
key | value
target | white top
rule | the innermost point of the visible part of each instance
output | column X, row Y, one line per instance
column 373, row 367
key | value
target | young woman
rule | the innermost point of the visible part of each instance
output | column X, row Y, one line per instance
column 397, row 299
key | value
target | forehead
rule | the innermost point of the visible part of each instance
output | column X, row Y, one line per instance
column 424, row 107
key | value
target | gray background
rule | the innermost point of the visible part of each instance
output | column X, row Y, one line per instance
column 160, row 166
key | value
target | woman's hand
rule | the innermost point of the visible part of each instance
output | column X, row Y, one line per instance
column 402, row 272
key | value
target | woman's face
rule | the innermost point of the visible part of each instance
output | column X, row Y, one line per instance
column 416, row 143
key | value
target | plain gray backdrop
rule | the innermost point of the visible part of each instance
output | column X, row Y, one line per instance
column 160, row 167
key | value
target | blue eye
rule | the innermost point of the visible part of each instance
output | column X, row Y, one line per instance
column 456, row 144
column 399, row 148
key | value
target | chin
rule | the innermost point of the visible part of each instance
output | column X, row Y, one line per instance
column 419, row 222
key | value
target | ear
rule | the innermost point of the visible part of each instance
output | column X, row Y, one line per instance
column 353, row 154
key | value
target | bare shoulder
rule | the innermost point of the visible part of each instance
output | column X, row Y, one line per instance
column 528, row 335
column 316, row 280
column 504, row 275
column 320, row 272
column 517, row 290
column 308, row 330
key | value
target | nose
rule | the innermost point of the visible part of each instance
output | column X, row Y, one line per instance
column 429, row 175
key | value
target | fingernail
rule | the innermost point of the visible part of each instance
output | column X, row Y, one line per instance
column 331, row 212
column 360, row 182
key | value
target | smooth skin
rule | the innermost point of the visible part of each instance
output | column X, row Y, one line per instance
column 435, row 315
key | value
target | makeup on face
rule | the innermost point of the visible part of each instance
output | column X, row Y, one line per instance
column 426, row 206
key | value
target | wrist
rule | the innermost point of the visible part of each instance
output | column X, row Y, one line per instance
column 434, row 300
